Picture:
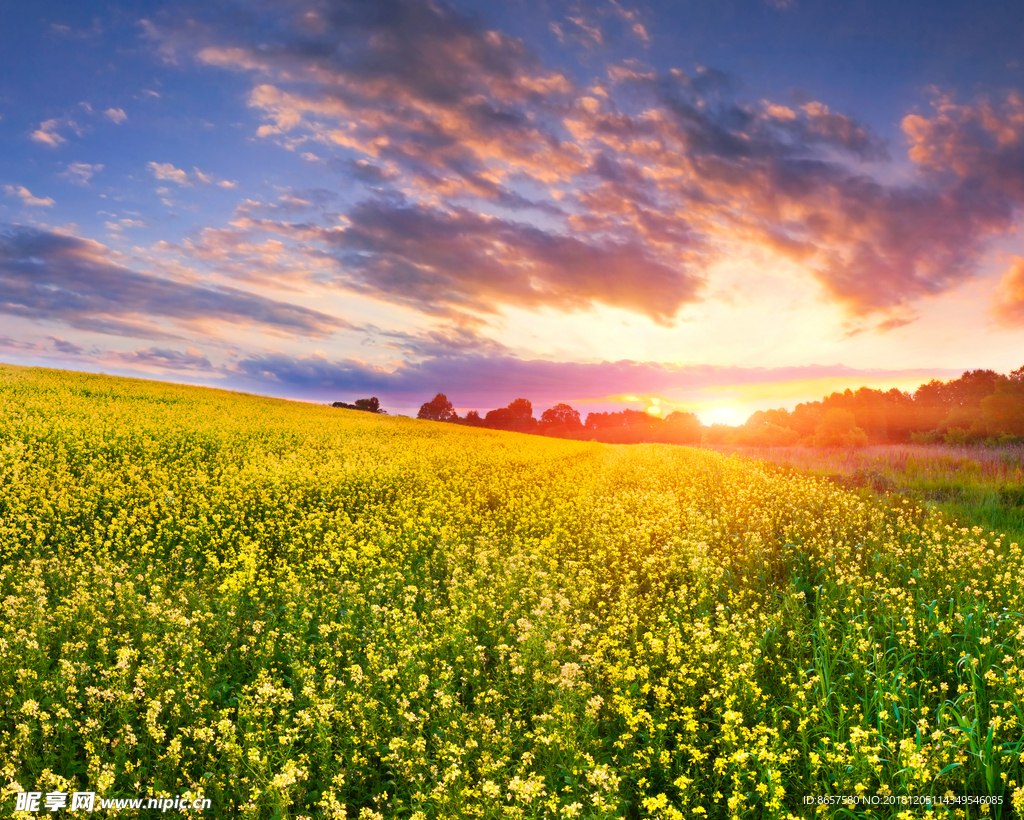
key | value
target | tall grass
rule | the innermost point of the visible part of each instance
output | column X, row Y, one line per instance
column 975, row 486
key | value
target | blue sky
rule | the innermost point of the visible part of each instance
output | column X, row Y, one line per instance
column 716, row 206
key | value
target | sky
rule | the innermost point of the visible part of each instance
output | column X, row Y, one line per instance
column 713, row 206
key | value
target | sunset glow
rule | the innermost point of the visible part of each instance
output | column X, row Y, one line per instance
column 660, row 207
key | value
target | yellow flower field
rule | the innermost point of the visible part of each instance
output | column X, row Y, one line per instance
column 305, row 612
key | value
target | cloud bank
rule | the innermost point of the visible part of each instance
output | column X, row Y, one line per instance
column 57, row 277
column 493, row 179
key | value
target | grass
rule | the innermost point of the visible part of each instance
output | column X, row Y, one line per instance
column 304, row 612
column 975, row 486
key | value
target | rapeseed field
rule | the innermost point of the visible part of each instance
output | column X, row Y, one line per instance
column 304, row 612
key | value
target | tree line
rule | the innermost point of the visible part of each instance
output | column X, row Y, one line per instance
column 562, row 421
column 979, row 406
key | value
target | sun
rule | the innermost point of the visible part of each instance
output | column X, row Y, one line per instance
column 728, row 413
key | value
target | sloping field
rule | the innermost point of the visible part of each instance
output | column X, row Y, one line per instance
column 297, row 611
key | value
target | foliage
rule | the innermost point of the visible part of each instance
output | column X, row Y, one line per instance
column 561, row 418
column 838, row 429
column 367, row 405
column 371, row 405
column 980, row 406
column 300, row 613
column 437, row 409
column 517, row 416
column 683, row 428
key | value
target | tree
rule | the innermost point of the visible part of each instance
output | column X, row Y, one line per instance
column 838, row 429
column 500, row 419
column 561, row 415
column 371, row 405
column 522, row 411
column 517, row 416
column 437, row 409
column 683, row 428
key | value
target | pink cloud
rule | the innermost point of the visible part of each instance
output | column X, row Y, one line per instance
column 1009, row 303
column 655, row 175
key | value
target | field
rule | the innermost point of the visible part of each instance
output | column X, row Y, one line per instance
column 298, row 612
column 977, row 484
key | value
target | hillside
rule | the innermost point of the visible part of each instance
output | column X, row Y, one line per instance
column 297, row 611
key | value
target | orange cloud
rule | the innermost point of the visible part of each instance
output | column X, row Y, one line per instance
column 645, row 176
column 47, row 134
column 1009, row 303
column 27, row 197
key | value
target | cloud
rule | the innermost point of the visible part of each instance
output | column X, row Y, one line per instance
column 166, row 171
column 461, row 259
column 470, row 379
column 7, row 343
column 162, row 359
column 47, row 134
column 57, row 277
column 81, row 172
column 518, row 185
column 1008, row 308
column 66, row 347
column 117, row 115
column 27, row 198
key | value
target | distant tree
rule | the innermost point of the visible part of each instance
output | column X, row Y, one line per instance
column 561, row 415
column 683, row 428
column 522, row 411
column 371, row 405
column 473, row 419
column 762, row 418
column 517, row 416
column 1003, row 414
column 437, row 409
column 719, row 434
column 838, row 429
column 500, row 419
column 599, row 421
column 805, row 417
column 767, row 435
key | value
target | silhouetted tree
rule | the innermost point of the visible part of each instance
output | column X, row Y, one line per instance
column 517, row 416
column 437, row 409
column 561, row 415
column 522, row 411
column 366, row 405
column 371, row 405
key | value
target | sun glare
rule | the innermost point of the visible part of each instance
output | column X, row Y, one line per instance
column 730, row 414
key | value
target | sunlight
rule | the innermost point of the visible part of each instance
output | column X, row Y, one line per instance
column 731, row 414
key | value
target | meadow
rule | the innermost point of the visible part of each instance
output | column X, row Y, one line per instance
column 978, row 484
column 306, row 612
